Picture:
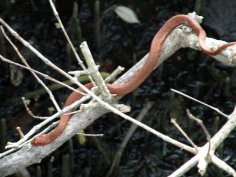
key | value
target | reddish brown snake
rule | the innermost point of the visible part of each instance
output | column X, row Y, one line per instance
column 140, row 76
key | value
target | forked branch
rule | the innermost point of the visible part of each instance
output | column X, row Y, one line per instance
column 180, row 37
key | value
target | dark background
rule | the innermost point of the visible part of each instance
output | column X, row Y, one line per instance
column 191, row 72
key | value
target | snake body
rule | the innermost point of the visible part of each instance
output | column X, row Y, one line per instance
column 140, row 76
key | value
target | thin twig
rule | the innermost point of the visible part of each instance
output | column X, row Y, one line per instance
column 223, row 165
column 133, row 127
column 185, row 167
column 35, row 129
column 12, row 145
column 30, row 112
column 199, row 122
column 78, row 73
column 173, row 121
column 42, row 74
column 67, row 38
column 35, row 75
column 20, row 132
column 198, row 101
column 89, row 134
column 93, row 71
column 114, row 74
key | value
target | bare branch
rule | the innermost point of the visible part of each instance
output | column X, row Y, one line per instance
column 173, row 121
column 177, row 39
column 29, row 111
column 185, row 167
column 133, row 127
column 40, row 73
column 114, row 74
column 208, row 136
column 94, row 73
column 198, row 101
column 28, row 66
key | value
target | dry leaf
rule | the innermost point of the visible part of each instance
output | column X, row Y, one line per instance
column 126, row 14
column 16, row 75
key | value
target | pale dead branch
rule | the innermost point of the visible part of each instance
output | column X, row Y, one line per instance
column 11, row 160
